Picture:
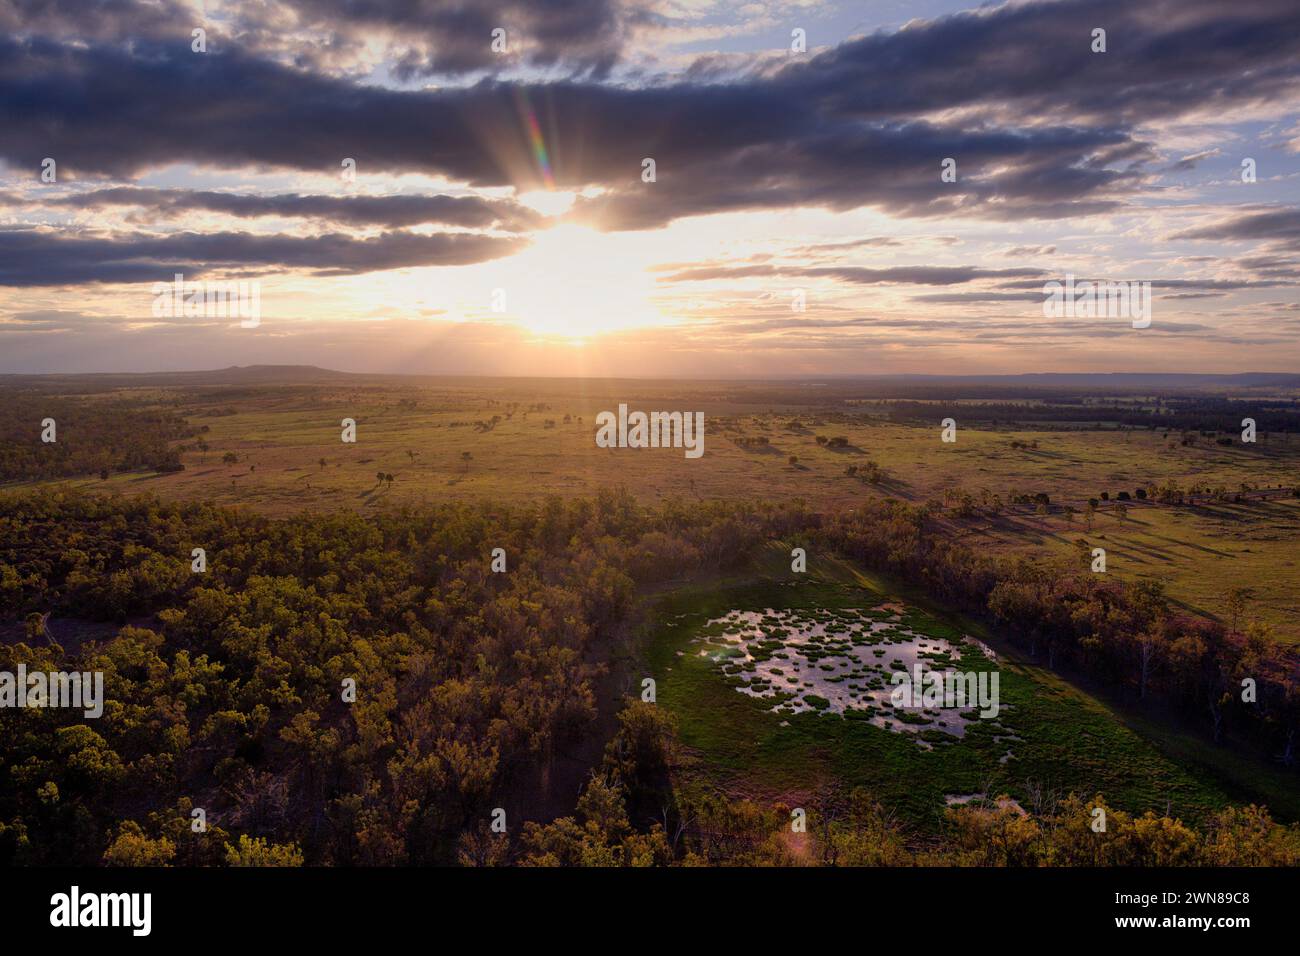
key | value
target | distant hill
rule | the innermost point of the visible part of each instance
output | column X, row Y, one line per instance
column 234, row 375
column 1110, row 379
column 253, row 375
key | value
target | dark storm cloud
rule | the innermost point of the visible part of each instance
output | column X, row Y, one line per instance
column 1045, row 128
column 454, row 36
column 1040, row 173
column 32, row 258
column 1164, row 58
column 424, row 37
column 88, row 20
column 470, row 212
column 117, row 112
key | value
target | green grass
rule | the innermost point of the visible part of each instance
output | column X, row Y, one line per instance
column 280, row 435
column 1069, row 742
column 1198, row 553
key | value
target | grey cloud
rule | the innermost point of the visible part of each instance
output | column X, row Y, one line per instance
column 1280, row 226
column 35, row 258
column 857, row 275
column 395, row 211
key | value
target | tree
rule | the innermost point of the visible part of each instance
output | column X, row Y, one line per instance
column 1150, row 643
column 230, row 458
column 37, row 626
column 465, row 457
column 132, row 847
column 1235, row 602
column 258, row 852
column 321, row 462
column 481, row 847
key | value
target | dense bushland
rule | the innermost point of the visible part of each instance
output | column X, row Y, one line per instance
column 224, row 689
column 613, row 828
column 1229, row 677
column 92, row 436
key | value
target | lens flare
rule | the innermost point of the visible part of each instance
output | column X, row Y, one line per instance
column 535, row 140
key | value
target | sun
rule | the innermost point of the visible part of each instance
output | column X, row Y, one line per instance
column 576, row 283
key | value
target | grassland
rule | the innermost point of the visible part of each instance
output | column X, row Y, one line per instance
column 290, row 458
column 1066, row 740
column 277, row 449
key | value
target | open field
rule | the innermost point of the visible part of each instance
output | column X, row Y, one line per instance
column 328, row 557
column 1198, row 553
column 535, row 451
column 534, row 439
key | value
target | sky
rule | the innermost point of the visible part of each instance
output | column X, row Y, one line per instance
column 667, row 188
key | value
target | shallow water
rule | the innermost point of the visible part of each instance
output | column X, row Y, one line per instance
column 843, row 658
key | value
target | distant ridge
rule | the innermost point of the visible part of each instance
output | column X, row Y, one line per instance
column 248, row 375
column 234, row 375
column 1111, row 379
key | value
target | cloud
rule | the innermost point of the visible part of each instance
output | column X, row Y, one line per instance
column 1164, row 59
column 396, row 211
column 856, row 275
column 1040, row 128
column 39, row 258
column 1280, row 226
column 1190, row 162
column 419, row 37
column 451, row 36
column 836, row 130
